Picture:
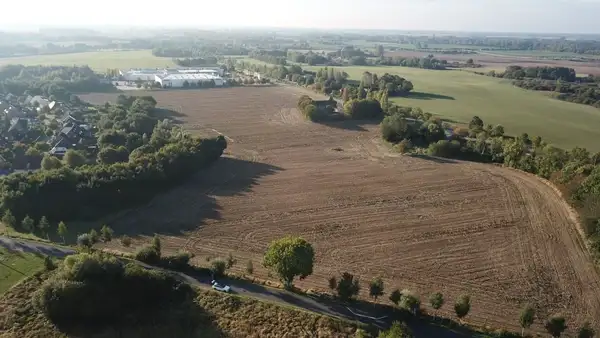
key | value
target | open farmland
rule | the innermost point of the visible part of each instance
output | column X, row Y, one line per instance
column 458, row 95
column 502, row 236
column 98, row 61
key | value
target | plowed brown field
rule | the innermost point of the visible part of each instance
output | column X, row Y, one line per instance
column 502, row 236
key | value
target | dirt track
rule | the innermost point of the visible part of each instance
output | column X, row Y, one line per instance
column 504, row 237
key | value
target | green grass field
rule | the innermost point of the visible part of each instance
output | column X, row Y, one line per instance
column 459, row 95
column 539, row 54
column 98, row 61
column 15, row 266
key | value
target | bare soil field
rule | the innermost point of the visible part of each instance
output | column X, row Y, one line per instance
column 497, row 61
column 502, row 236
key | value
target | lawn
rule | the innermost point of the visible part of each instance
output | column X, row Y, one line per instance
column 98, row 61
column 15, row 266
column 459, row 95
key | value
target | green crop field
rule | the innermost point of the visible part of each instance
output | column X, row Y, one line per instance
column 459, row 95
column 15, row 266
column 98, row 61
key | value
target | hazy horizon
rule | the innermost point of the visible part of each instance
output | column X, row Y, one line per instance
column 510, row 16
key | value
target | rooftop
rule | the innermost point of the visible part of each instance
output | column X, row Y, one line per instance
column 198, row 76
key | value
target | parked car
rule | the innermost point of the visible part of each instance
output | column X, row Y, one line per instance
column 220, row 287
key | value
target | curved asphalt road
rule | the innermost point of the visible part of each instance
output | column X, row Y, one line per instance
column 372, row 315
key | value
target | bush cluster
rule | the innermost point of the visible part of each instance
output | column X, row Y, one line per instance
column 99, row 290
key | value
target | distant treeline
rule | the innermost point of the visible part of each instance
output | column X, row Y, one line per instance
column 57, row 82
column 560, row 80
column 192, row 62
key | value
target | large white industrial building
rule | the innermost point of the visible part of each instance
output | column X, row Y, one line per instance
column 150, row 74
column 180, row 80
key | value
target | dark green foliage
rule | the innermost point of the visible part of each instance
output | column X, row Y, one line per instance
column 347, row 287
column 462, row 306
column 332, row 282
column 49, row 263
column 395, row 297
column 106, row 233
column 527, row 317
column 410, row 301
column 290, row 257
column 94, row 237
column 50, row 162
column 376, row 288
column 99, row 290
column 398, row 330
column 148, row 255
column 394, row 129
column 363, row 109
column 28, row 224
column 544, row 73
column 9, row 219
column 179, row 261
column 444, row 148
column 218, row 267
column 436, row 300
column 109, row 155
column 586, row 331
column 85, row 241
column 556, row 325
column 156, row 244
column 92, row 191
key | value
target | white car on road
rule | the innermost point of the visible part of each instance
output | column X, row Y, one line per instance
column 220, row 287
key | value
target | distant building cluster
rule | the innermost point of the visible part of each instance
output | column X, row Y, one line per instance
column 175, row 77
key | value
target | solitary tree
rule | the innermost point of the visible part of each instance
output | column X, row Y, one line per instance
column 436, row 300
column 43, row 226
column 230, row 261
column 48, row 263
column 28, row 224
column 106, row 233
column 156, row 244
column 94, row 236
column 462, row 306
column 586, row 331
column 85, row 241
column 218, row 267
column 376, row 288
column 9, row 219
column 347, row 287
column 409, row 301
column 332, row 283
column 290, row 257
column 395, row 296
column 62, row 230
column 556, row 325
column 250, row 268
column 526, row 318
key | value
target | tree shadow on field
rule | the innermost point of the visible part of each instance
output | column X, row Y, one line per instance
column 434, row 159
column 168, row 114
column 341, row 122
column 428, row 96
column 188, row 206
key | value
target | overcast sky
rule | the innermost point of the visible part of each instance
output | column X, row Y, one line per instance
column 567, row 16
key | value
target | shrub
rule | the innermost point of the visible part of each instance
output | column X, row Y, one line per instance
column 84, row 240
column 218, row 267
column 444, row 148
column 179, row 261
column 403, row 147
column 250, row 268
column 148, row 255
column 126, row 241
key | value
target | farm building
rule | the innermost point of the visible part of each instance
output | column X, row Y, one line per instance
column 141, row 74
column 147, row 75
column 180, row 80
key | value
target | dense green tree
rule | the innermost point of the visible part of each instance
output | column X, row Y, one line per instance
column 62, row 230
column 436, row 300
column 74, row 158
column 395, row 296
column 348, row 287
column 410, row 301
column 106, row 233
column 148, row 254
column 476, row 123
column 50, row 162
column 85, row 241
column 394, row 128
column 376, row 288
column 586, row 331
column 28, row 224
column 43, row 226
column 397, row 330
column 9, row 219
column 218, row 267
column 290, row 257
column 462, row 306
column 556, row 325
column 332, row 282
column 526, row 318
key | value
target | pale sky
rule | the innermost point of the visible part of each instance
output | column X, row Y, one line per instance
column 566, row 16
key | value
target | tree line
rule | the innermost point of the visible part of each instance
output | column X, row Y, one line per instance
column 562, row 81
column 55, row 82
column 276, row 57
column 197, row 61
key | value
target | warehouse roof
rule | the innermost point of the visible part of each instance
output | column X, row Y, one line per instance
column 198, row 76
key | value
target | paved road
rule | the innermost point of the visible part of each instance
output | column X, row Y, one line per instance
column 368, row 315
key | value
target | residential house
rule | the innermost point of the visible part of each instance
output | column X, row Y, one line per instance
column 19, row 126
column 39, row 101
column 13, row 112
column 74, row 134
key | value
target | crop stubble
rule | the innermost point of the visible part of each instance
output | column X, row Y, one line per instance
column 502, row 236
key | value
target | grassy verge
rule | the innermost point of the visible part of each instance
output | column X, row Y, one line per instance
column 15, row 266
column 215, row 315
